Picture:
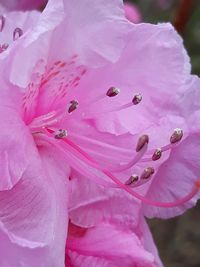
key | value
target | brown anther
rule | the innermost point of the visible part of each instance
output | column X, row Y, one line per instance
column 73, row 106
column 143, row 140
column 147, row 173
column 134, row 178
column 3, row 47
column 113, row 91
column 137, row 99
column 60, row 134
column 2, row 22
column 157, row 154
column 176, row 136
column 17, row 33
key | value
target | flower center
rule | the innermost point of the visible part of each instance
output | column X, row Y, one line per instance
column 46, row 111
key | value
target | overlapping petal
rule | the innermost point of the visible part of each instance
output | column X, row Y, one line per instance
column 92, row 203
column 154, row 64
column 176, row 178
column 108, row 245
column 15, row 140
column 102, row 40
column 33, row 214
column 14, row 25
column 22, row 4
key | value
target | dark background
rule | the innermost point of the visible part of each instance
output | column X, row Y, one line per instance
column 178, row 239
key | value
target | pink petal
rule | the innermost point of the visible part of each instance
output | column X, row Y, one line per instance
column 102, row 38
column 23, row 21
column 12, row 254
column 149, row 244
column 105, row 28
column 33, row 214
column 189, row 103
column 75, row 260
column 111, row 244
column 154, row 64
column 107, row 149
column 22, row 4
column 91, row 204
column 15, row 141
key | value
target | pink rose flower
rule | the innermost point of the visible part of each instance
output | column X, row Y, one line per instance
column 63, row 115
column 22, row 4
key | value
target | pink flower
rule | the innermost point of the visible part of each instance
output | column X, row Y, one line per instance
column 35, row 81
column 132, row 13
column 62, row 115
column 22, row 4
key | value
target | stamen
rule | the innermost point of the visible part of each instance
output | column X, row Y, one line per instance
column 94, row 164
column 73, row 106
column 147, row 201
column 137, row 99
column 163, row 149
column 149, row 171
column 134, row 178
column 72, row 153
column 134, row 161
column 157, row 154
column 17, row 33
column 2, row 22
column 151, row 151
column 176, row 136
column 113, row 91
column 144, row 139
column 60, row 134
column 44, row 120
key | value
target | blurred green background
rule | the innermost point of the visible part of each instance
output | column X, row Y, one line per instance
column 178, row 239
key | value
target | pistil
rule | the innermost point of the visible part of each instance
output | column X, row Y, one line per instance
column 148, row 172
